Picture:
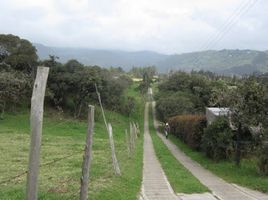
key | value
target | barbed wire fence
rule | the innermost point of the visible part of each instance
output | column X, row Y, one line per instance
column 133, row 134
column 54, row 161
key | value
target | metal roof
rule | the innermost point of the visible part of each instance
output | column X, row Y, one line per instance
column 218, row 111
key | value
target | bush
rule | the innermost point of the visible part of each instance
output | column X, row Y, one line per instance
column 217, row 139
column 262, row 163
column 189, row 128
column 15, row 89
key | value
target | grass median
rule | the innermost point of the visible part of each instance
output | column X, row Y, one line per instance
column 245, row 175
column 181, row 180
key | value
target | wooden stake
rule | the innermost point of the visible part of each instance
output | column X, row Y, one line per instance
column 135, row 130
column 37, row 108
column 131, row 138
column 87, row 155
column 127, row 143
column 115, row 162
column 102, row 110
column 110, row 133
column 138, row 129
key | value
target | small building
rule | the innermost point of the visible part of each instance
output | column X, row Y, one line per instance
column 213, row 112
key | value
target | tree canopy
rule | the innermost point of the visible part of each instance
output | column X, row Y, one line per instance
column 17, row 53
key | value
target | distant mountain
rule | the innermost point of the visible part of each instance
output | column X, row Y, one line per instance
column 238, row 62
column 228, row 62
column 104, row 58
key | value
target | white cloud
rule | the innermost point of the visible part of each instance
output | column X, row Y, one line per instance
column 161, row 25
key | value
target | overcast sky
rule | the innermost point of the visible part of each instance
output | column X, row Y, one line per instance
column 166, row 26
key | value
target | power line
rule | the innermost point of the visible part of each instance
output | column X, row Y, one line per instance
column 230, row 18
column 227, row 26
column 230, row 25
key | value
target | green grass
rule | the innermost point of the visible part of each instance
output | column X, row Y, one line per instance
column 181, row 180
column 65, row 137
column 245, row 175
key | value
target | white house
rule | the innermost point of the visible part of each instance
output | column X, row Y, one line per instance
column 213, row 112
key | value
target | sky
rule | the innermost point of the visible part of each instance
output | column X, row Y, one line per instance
column 165, row 26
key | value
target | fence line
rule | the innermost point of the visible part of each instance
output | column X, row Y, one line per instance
column 110, row 134
column 42, row 165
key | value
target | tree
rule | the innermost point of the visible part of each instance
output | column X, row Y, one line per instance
column 171, row 105
column 218, row 94
column 14, row 88
column 146, row 82
column 139, row 72
column 73, row 65
column 217, row 139
column 71, row 86
column 17, row 53
column 247, row 111
column 51, row 62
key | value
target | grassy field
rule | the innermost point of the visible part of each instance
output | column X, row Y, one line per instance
column 62, row 151
column 245, row 175
column 181, row 180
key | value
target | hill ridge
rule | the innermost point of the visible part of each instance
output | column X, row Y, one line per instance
column 225, row 61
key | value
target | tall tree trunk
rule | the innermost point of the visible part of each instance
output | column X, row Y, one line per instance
column 79, row 110
column 3, row 110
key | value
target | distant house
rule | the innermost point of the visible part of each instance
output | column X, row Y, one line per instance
column 137, row 79
column 213, row 112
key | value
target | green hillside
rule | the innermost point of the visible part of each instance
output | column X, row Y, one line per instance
column 225, row 61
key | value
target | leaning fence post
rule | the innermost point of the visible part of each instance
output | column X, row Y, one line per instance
column 87, row 155
column 36, row 120
column 115, row 162
column 132, row 137
column 127, row 143
column 135, row 130
column 138, row 129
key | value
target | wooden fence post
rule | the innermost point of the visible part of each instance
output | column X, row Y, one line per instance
column 87, row 155
column 138, row 129
column 127, row 143
column 37, row 108
column 115, row 162
column 131, row 137
column 135, row 130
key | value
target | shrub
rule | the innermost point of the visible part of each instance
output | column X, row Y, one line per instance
column 15, row 89
column 217, row 139
column 189, row 128
column 262, row 163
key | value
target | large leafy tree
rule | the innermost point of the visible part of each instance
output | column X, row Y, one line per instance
column 248, row 110
column 17, row 53
column 72, row 85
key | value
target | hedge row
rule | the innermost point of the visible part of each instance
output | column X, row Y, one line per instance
column 189, row 128
column 216, row 140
